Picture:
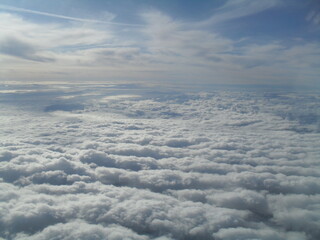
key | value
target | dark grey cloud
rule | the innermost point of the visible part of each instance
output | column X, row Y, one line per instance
column 224, row 165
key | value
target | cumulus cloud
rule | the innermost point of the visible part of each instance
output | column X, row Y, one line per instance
column 83, row 230
column 220, row 165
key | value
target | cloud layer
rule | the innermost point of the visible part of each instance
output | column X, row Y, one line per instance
column 153, row 165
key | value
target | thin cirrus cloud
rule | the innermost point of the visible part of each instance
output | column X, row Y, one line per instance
column 240, row 8
column 84, row 20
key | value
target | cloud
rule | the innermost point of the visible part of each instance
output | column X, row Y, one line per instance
column 28, row 40
column 245, row 233
column 17, row 48
column 225, row 165
column 239, row 8
column 107, row 15
column 188, row 44
column 83, row 230
column 314, row 18
column 171, row 37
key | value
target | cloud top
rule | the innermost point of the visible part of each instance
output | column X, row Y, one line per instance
column 221, row 165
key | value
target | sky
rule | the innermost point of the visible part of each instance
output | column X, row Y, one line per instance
column 239, row 42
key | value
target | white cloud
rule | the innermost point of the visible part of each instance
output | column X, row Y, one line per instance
column 223, row 165
column 83, row 230
column 45, row 38
column 266, row 234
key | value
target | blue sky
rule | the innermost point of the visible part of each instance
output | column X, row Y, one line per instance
column 265, row 42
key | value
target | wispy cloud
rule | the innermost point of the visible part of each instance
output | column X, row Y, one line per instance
column 314, row 18
column 234, row 9
column 15, row 47
column 85, row 20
